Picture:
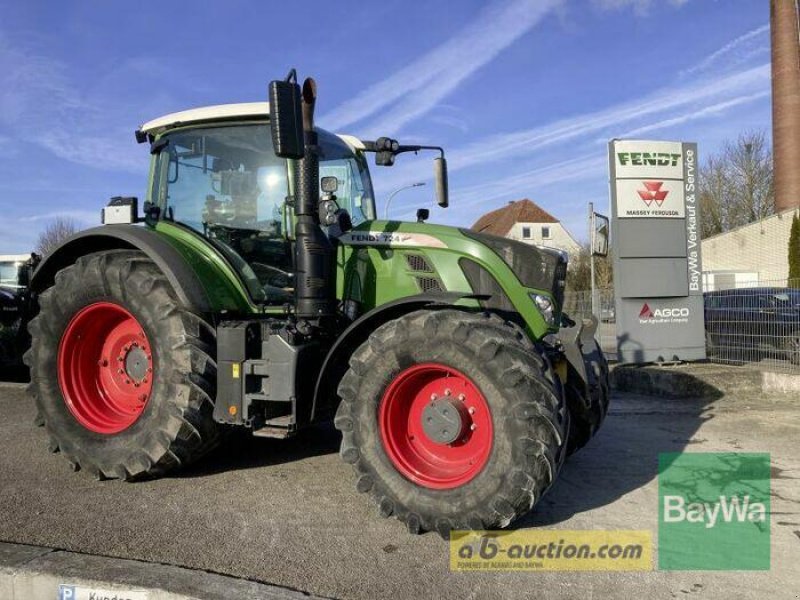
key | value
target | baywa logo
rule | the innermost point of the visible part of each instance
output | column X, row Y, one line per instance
column 714, row 511
column 727, row 509
column 663, row 315
column 653, row 193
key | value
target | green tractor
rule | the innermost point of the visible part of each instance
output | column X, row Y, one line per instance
column 259, row 291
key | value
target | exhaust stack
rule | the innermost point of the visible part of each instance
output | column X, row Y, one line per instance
column 314, row 253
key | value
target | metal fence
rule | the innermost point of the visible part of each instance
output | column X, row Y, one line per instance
column 747, row 321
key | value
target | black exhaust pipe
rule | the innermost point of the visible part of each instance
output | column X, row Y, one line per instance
column 314, row 289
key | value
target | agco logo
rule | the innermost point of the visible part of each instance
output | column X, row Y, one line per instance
column 663, row 315
column 653, row 193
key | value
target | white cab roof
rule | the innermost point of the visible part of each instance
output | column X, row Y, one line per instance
column 207, row 113
column 245, row 110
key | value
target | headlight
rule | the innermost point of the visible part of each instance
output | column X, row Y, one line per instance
column 545, row 306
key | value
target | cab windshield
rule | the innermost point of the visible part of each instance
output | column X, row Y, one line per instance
column 226, row 183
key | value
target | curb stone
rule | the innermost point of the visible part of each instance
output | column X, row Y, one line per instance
column 38, row 573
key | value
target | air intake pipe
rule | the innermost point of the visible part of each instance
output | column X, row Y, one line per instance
column 315, row 282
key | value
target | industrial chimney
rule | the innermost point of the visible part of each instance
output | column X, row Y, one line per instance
column 785, row 102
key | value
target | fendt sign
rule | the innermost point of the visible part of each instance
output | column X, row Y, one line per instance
column 654, row 212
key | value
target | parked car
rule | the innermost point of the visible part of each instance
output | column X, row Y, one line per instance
column 15, row 273
column 764, row 320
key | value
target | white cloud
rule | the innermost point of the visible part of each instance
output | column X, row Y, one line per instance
column 422, row 84
column 40, row 104
column 586, row 166
column 670, row 106
column 7, row 147
column 640, row 7
column 734, row 52
column 703, row 113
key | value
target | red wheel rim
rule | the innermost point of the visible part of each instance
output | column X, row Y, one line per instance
column 429, row 462
column 105, row 368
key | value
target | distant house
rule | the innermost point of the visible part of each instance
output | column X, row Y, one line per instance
column 525, row 221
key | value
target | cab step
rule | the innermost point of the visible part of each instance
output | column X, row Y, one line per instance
column 279, row 428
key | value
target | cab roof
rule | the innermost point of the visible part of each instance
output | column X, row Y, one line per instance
column 217, row 112
column 247, row 110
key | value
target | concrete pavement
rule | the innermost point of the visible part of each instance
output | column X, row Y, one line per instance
column 286, row 512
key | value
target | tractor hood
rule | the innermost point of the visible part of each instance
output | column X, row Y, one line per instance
column 536, row 267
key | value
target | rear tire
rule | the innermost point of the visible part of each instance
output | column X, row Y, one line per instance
column 105, row 432
column 516, row 402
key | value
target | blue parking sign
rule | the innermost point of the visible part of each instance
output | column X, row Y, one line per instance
column 66, row 592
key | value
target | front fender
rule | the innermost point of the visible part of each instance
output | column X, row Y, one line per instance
column 336, row 361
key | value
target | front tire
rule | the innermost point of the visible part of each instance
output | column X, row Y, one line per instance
column 121, row 374
column 420, row 374
column 588, row 413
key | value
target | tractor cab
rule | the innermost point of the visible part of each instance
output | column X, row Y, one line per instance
column 215, row 171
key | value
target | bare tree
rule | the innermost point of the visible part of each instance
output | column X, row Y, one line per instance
column 736, row 184
column 579, row 273
column 54, row 233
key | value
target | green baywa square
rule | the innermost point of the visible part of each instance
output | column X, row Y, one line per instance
column 714, row 511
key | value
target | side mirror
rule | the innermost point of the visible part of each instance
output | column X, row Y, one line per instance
column 600, row 236
column 423, row 214
column 440, row 180
column 286, row 117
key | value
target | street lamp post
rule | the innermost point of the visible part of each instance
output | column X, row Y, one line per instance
column 397, row 191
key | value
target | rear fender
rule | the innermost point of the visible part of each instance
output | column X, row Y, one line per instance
column 181, row 276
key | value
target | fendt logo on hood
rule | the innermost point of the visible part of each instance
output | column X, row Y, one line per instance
column 663, row 315
column 653, row 193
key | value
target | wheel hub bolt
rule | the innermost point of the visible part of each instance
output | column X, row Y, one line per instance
column 462, row 397
column 472, row 410
column 447, row 392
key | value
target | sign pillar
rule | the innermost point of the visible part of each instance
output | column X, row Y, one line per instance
column 657, row 273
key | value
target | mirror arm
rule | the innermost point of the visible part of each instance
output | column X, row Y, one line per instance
column 372, row 147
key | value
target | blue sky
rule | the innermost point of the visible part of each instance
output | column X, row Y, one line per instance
column 523, row 94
